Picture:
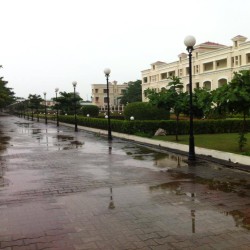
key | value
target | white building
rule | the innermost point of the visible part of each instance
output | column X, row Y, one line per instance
column 99, row 95
column 213, row 65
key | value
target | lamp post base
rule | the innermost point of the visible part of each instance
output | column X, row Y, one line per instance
column 191, row 153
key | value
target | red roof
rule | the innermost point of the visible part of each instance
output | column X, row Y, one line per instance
column 211, row 43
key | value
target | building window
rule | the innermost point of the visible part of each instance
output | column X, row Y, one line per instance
column 221, row 63
column 197, row 69
column 207, row 85
column 236, row 61
column 153, row 67
column 171, row 73
column 96, row 91
column 187, row 71
column 105, row 91
column 145, row 79
column 164, row 76
column 97, row 99
column 105, row 99
column 123, row 91
column 208, row 66
column 197, row 85
column 248, row 58
column 180, row 72
column 153, row 78
column 235, row 44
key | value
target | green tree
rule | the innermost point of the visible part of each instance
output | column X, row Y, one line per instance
column 34, row 103
column 133, row 93
column 235, row 98
column 66, row 102
column 202, row 102
column 6, row 94
column 172, row 98
column 220, row 101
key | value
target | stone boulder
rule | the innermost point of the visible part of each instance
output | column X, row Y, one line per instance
column 160, row 131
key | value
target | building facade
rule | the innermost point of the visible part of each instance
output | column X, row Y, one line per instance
column 213, row 65
column 99, row 95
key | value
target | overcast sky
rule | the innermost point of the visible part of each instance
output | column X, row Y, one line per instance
column 51, row 43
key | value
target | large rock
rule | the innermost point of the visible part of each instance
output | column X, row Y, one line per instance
column 160, row 131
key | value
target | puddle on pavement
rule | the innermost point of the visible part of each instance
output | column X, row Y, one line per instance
column 138, row 206
column 4, row 141
column 241, row 220
column 177, row 187
column 67, row 142
column 162, row 160
column 241, row 187
column 64, row 137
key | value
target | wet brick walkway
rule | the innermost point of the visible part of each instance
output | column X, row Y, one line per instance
column 65, row 190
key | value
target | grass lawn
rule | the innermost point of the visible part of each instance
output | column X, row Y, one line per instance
column 222, row 142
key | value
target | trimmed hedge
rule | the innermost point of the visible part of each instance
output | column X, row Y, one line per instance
column 91, row 110
column 149, row 127
column 144, row 111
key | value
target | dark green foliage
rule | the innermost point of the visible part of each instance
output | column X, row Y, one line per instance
column 202, row 103
column 132, row 93
column 6, row 94
column 149, row 127
column 144, row 111
column 91, row 110
column 66, row 102
column 34, row 101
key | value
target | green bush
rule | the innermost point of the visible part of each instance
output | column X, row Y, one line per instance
column 149, row 127
column 91, row 110
column 144, row 111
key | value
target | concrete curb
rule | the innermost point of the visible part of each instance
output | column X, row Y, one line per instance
column 211, row 154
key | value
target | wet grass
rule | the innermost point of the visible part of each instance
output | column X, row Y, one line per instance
column 222, row 142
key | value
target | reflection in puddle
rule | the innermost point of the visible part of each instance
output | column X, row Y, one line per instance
column 36, row 131
column 163, row 160
column 64, row 137
column 241, row 187
column 67, row 142
column 241, row 220
column 111, row 202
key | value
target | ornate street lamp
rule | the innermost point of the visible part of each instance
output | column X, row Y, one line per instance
column 57, row 120
column 107, row 73
column 74, row 85
column 190, row 42
column 45, row 108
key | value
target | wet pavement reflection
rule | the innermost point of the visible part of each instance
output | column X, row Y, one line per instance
column 65, row 190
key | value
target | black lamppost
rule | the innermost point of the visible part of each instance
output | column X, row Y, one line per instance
column 74, row 85
column 190, row 42
column 107, row 73
column 57, row 120
column 45, row 108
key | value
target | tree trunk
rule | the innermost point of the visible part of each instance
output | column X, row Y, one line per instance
column 177, row 127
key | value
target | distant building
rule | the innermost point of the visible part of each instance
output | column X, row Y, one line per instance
column 99, row 95
column 49, row 103
column 213, row 65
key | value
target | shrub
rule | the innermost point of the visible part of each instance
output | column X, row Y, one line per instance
column 144, row 111
column 91, row 110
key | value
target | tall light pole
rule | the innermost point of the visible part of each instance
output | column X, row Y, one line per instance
column 57, row 120
column 45, row 108
column 190, row 42
column 74, row 85
column 107, row 73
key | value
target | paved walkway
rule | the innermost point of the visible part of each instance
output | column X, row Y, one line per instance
column 65, row 190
